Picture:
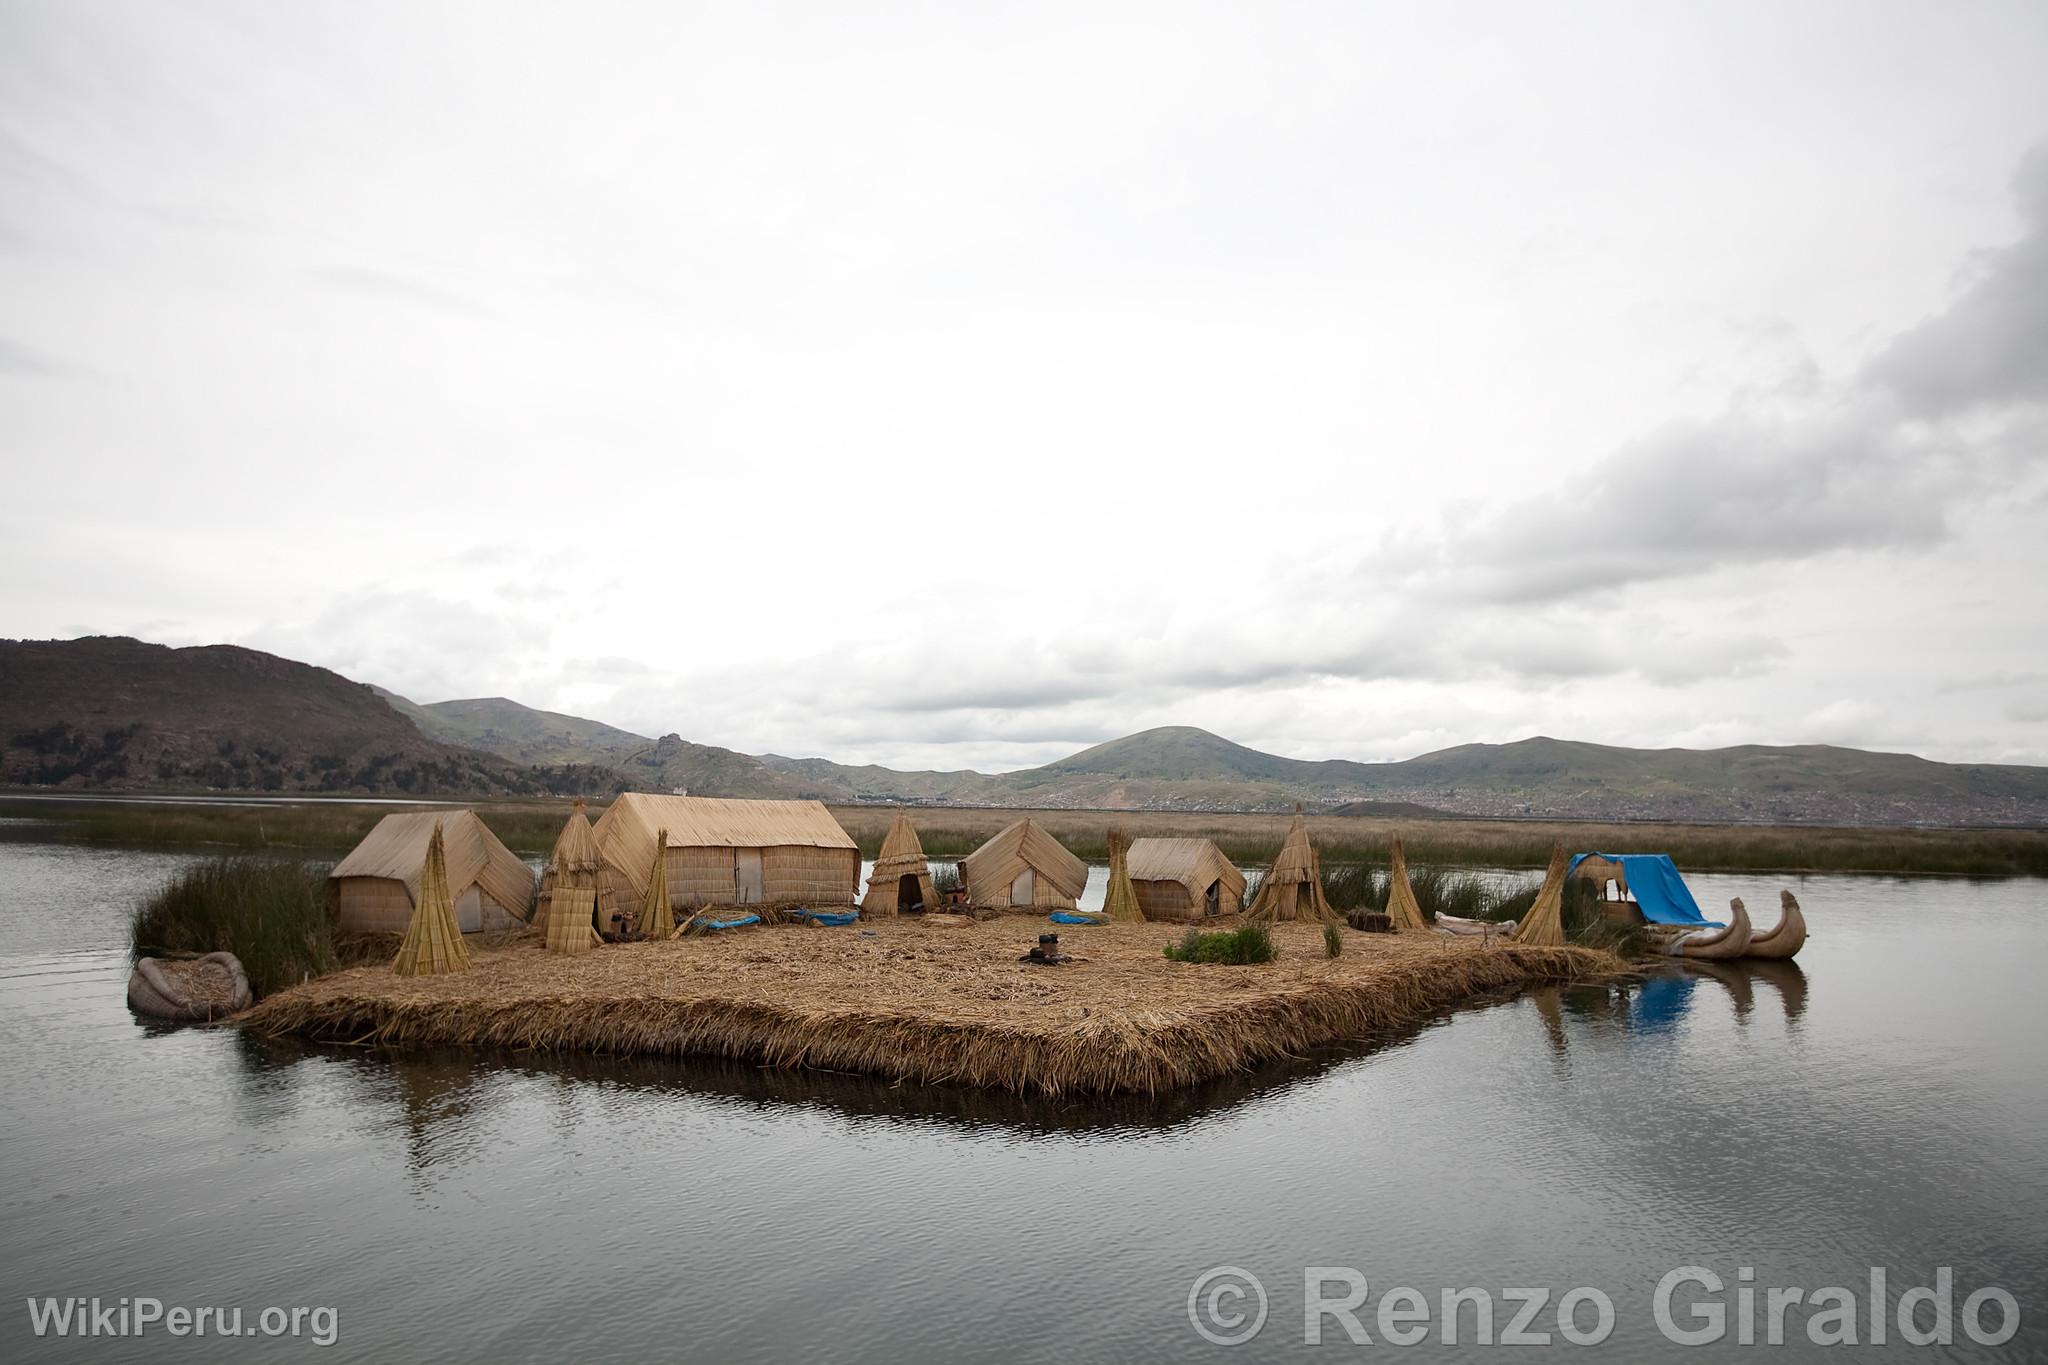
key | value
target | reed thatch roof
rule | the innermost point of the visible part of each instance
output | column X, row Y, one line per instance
column 433, row 941
column 1194, row 863
column 397, row 850
column 990, row 869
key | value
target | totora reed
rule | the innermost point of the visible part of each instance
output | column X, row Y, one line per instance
column 912, row 1001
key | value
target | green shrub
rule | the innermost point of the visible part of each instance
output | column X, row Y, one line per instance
column 1248, row 946
column 270, row 913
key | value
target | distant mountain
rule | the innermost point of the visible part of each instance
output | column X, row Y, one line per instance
column 107, row 711
column 110, row 712
column 522, row 734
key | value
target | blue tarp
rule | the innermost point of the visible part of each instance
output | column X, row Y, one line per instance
column 832, row 918
column 1660, row 892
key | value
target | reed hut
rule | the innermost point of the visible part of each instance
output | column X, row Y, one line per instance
column 1184, row 879
column 576, row 862
column 433, row 943
column 728, row 852
column 902, row 880
column 1023, row 867
column 375, row 889
column 1293, row 887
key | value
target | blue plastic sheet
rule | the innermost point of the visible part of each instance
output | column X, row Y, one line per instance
column 1661, row 894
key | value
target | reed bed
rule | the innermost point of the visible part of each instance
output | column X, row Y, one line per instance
column 270, row 913
column 529, row 828
column 913, row 1001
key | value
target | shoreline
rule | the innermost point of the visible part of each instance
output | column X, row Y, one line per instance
column 911, row 1001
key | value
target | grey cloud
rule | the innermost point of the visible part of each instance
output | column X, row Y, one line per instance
column 1990, row 346
column 28, row 363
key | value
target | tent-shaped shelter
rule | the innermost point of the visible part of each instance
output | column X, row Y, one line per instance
column 1293, row 886
column 1402, row 907
column 1024, row 867
column 433, row 944
column 576, row 862
column 1184, row 879
column 902, row 879
column 376, row 887
column 729, row 852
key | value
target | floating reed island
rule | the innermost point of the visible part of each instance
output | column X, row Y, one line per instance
column 936, row 998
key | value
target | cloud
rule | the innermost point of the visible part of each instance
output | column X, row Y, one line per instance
column 388, row 286
column 27, row 363
column 1935, row 422
column 1989, row 347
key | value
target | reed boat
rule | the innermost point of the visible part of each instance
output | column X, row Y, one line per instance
column 1716, row 945
column 1784, row 938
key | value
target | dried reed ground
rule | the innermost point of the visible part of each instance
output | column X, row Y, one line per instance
column 918, row 1001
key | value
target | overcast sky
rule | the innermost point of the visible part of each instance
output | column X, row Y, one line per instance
column 957, row 385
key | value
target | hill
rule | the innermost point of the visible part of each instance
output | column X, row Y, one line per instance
column 108, row 711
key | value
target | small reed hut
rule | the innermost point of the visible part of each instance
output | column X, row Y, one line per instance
column 375, row 889
column 1024, row 868
column 575, row 861
column 1184, row 879
column 577, row 896
column 729, row 852
column 1293, row 887
column 902, row 879
column 433, row 944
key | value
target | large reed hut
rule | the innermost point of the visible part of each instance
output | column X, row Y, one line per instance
column 1293, row 886
column 902, row 879
column 1185, row 879
column 726, row 852
column 374, row 889
column 1023, row 867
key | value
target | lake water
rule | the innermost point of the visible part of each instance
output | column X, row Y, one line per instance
column 1884, row 1106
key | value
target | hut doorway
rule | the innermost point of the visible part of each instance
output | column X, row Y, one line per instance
column 1024, row 888
column 1212, row 899
column 746, row 876
column 908, row 897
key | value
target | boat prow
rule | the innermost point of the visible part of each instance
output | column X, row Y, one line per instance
column 1784, row 938
column 1716, row 945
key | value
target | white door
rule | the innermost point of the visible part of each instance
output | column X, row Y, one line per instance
column 746, row 875
column 1024, row 888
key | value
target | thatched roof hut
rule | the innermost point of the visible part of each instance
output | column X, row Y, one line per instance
column 375, row 889
column 1184, row 879
column 1293, row 886
column 902, row 879
column 729, row 852
column 1025, row 867
column 576, row 895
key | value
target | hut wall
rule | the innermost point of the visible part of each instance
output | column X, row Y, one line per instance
column 797, row 875
column 1166, row 901
column 697, row 877
column 372, row 905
